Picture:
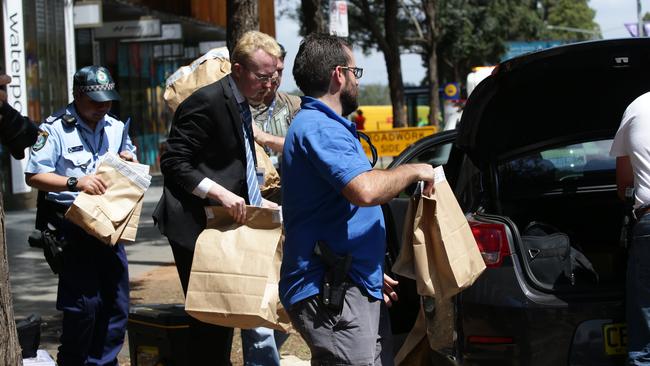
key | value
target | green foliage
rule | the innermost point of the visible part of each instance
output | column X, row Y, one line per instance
column 576, row 15
column 374, row 94
column 470, row 33
column 473, row 32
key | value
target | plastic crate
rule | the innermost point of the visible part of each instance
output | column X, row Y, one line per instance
column 158, row 335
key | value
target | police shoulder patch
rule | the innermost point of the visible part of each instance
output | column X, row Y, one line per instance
column 41, row 140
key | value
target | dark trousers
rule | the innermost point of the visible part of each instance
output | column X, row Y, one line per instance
column 638, row 294
column 93, row 294
column 208, row 344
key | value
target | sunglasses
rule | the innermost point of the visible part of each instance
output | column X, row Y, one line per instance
column 356, row 71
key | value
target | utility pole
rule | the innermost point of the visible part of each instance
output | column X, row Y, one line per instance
column 639, row 19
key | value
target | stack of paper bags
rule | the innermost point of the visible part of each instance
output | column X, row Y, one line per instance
column 440, row 253
column 236, row 269
column 114, row 215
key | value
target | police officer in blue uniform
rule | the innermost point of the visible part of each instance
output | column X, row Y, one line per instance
column 93, row 290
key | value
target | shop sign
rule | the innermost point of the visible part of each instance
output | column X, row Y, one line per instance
column 168, row 32
column 393, row 142
column 12, row 12
column 129, row 28
column 87, row 14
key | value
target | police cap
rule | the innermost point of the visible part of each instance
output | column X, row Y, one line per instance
column 96, row 82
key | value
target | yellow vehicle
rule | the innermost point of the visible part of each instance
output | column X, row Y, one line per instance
column 380, row 117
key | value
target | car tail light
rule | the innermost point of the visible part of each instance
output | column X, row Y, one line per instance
column 492, row 241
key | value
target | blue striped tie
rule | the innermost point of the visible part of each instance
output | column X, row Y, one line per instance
column 254, row 194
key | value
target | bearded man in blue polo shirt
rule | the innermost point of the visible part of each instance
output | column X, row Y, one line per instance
column 331, row 197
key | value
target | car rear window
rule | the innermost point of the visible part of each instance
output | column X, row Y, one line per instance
column 582, row 164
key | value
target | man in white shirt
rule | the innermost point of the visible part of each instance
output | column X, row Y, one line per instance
column 631, row 148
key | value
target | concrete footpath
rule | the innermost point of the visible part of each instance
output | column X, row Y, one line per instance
column 34, row 286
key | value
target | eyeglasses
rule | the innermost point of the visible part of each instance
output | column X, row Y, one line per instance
column 263, row 79
column 273, row 79
column 356, row 71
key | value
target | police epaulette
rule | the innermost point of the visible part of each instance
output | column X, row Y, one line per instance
column 56, row 116
column 61, row 114
column 68, row 120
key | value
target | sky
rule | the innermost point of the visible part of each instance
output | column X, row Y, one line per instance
column 610, row 15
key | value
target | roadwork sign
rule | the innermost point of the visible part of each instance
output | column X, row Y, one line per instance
column 393, row 142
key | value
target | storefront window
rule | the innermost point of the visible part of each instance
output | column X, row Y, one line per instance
column 140, row 69
column 45, row 67
column 45, row 52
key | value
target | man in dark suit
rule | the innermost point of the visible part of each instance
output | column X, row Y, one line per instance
column 210, row 161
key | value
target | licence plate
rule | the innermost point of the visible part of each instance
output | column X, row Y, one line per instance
column 615, row 338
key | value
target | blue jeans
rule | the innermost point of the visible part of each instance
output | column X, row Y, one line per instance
column 261, row 346
column 638, row 294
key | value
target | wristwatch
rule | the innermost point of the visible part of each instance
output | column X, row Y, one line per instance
column 72, row 184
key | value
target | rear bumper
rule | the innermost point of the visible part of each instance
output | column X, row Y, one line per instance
column 544, row 329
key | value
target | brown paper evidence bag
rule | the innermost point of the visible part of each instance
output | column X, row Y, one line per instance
column 440, row 253
column 236, row 269
column 114, row 215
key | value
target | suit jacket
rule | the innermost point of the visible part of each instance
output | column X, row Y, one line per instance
column 205, row 140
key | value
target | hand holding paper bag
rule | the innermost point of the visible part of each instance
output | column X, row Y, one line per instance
column 439, row 250
column 113, row 215
column 236, row 269
column 440, row 253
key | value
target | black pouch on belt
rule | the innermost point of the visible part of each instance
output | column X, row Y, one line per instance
column 53, row 246
column 335, row 282
column 49, row 217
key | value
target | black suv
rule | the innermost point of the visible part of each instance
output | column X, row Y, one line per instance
column 533, row 147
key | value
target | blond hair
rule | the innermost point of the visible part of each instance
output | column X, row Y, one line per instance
column 252, row 41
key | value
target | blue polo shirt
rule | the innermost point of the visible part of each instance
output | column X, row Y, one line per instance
column 322, row 154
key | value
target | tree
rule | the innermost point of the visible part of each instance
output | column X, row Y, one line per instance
column 474, row 32
column 427, row 37
column 451, row 35
column 242, row 17
column 380, row 18
column 9, row 347
column 313, row 17
column 455, row 35
column 569, row 20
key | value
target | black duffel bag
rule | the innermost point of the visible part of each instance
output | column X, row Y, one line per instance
column 551, row 258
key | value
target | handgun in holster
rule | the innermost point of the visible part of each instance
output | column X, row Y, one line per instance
column 48, row 236
column 335, row 281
